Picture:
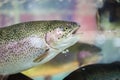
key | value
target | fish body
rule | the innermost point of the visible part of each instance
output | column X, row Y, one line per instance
column 96, row 72
column 28, row 44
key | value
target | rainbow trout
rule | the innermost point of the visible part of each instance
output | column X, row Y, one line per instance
column 28, row 44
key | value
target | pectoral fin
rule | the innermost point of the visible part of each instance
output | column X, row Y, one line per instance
column 41, row 57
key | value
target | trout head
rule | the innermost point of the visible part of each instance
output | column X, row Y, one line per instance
column 62, row 34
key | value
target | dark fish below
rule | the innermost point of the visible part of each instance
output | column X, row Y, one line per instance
column 96, row 72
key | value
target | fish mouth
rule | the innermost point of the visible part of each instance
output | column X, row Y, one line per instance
column 75, row 30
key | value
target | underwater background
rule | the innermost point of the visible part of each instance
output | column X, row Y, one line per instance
column 83, row 12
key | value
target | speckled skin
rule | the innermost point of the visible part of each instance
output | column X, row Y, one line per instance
column 21, row 44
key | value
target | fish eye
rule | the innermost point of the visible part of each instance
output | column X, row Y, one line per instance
column 66, row 28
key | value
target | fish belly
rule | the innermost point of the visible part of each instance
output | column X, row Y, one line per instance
column 17, row 56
